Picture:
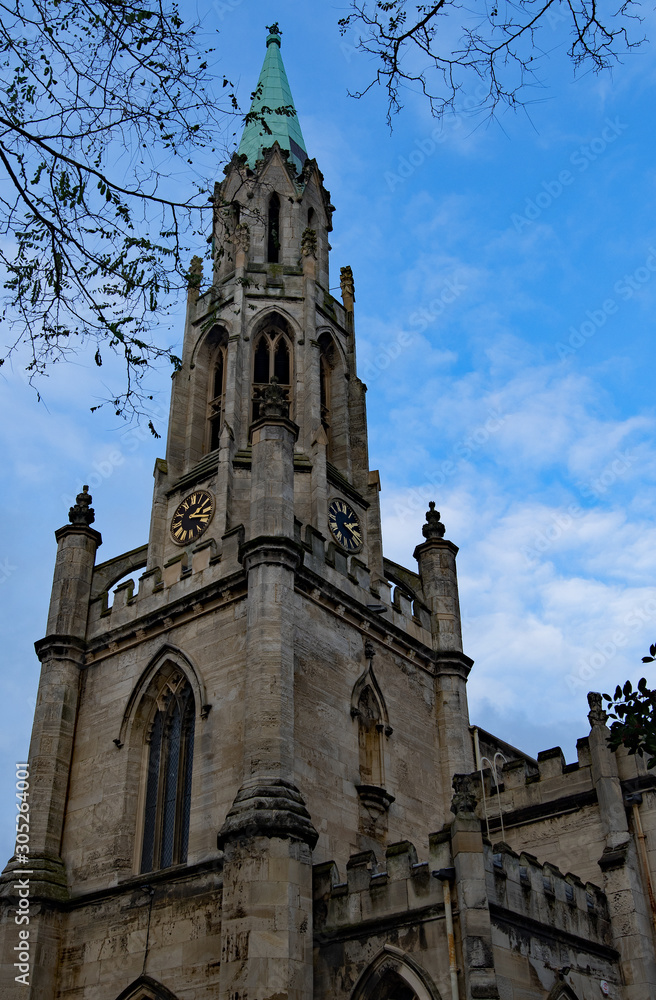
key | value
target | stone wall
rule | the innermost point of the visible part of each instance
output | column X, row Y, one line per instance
column 547, row 927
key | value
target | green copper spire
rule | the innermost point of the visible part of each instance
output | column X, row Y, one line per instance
column 273, row 91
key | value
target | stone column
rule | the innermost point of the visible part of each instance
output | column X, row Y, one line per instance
column 437, row 570
column 51, row 747
column 268, row 835
column 628, row 904
column 479, row 976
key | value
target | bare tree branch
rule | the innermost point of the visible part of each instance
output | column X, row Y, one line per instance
column 440, row 48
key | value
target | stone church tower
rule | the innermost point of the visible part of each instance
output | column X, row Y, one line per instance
column 241, row 778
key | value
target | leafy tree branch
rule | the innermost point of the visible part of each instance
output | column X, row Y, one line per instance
column 634, row 712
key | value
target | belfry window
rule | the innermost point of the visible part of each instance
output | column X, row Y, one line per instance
column 273, row 230
column 272, row 357
column 168, row 784
column 216, row 400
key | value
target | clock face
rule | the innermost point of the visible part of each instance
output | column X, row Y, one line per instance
column 192, row 517
column 344, row 525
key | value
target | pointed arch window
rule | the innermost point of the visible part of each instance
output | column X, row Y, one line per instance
column 273, row 230
column 272, row 356
column 170, row 740
column 216, row 400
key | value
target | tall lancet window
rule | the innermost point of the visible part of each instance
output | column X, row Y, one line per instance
column 328, row 365
column 216, row 401
column 168, row 787
column 272, row 357
column 273, row 230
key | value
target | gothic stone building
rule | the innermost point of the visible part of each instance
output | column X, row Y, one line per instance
column 242, row 771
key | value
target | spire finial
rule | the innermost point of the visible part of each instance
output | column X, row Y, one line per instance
column 82, row 513
column 274, row 34
column 433, row 527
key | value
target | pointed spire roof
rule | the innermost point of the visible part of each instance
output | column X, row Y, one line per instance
column 273, row 91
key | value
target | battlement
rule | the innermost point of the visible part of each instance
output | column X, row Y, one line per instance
column 185, row 575
column 519, row 883
column 527, row 789
column 519, row 888
column 374, row 891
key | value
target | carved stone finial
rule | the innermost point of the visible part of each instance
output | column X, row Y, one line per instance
column 596, row 715
column 433, row 527
column 195, row 273
column 464, row 797
column 309, row 243
column 274, row 403
column 82, row 513
column 369, row 650
column 348, row 287
column 242, row 237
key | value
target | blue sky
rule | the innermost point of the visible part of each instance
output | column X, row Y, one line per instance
column 505, row 284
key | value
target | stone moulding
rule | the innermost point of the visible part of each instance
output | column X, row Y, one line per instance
column 271, row 808
column 47, row 877
column 375, row 799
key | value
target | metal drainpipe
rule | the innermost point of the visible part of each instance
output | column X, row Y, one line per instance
column 446, row 875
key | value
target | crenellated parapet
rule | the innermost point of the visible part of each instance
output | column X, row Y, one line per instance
column 388, row 609
column 373, row 891
column 531, row 891
column 533, row 795
column 541, row 922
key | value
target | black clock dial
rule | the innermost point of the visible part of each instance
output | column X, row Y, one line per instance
column 344, row 525
column 192, row 517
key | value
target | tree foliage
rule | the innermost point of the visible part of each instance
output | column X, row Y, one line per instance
column 634, row 712
column 442, row 48
column 99, row 99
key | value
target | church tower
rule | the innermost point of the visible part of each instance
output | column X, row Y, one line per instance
column 248, row 730
column 270, row 692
